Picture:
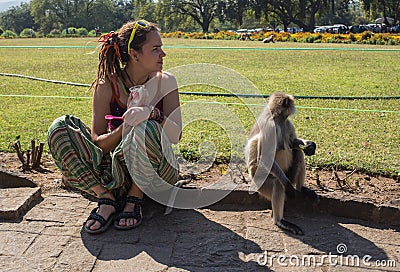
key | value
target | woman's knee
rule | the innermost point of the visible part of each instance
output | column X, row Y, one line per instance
column 57, row 124
column 57, row 130
column 152, row 125
column 153, row 135
column 148, row 132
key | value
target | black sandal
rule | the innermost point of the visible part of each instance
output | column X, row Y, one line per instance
column 104, row 224
column 135, row 214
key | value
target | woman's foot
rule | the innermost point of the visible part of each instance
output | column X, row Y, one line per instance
column 100, row 217
column 105, row 211
column 131, row 216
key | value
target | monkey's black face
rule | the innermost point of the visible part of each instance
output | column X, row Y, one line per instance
column 287, row 103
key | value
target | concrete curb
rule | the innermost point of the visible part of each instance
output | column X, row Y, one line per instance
column 346, row 207
column 17, row 201
column 19, row 194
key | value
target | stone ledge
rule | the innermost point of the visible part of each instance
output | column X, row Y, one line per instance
column 17, row 194
column 328, row 204
column 346, row 206
column 15, row 201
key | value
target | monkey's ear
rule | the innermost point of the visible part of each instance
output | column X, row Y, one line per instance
column 286, row 102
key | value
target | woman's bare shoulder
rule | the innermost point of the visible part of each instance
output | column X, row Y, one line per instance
column 104, row 88
column 168, row 76
column 169, row 82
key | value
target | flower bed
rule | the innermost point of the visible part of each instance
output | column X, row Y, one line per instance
column 366, row 37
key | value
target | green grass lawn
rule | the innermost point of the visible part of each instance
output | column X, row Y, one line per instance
column 346, row 134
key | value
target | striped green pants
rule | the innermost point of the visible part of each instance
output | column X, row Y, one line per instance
column 143, row 152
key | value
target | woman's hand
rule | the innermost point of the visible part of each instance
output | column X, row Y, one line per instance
column 135, row 115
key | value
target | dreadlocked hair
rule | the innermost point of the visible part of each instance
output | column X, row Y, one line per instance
column 114, row 52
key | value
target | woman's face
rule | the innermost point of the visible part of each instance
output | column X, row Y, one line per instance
column 151, row 57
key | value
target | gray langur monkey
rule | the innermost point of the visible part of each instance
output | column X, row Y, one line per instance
column 274, row 132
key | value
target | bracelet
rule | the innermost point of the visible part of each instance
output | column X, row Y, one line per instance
column 152, row 114
column 156, row 115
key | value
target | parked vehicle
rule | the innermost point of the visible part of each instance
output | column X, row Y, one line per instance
column 320, row 29
column 396, row 29
column 359, row 29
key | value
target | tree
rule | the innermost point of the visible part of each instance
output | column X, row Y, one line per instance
column 17, row 18
column 233, row 10
column 301, row 13
column 259, row 7
column 202, row 11
column 48, row 15
column 390, row 8
column 166, row 18
column 382, row 8
column 82, row 13
column 144, row 9
column 336, row 12
column 122, row 11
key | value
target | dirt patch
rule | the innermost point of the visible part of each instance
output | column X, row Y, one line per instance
column 47, row 176
column 376, row 189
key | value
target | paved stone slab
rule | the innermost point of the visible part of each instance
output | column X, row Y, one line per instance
column 76, row 257
column 42, row 252
column 57, row 229
column 325, row 235
column 110, row 236
column 232, row 220
column 20, row 264
column 209, row 250
column 207, row 269
column 128, row 257
column 63, row 209
column 15, row 201
column 23, row 226
column 66, row 201
column 47, row 246
column 219, row 238
column 14, row 243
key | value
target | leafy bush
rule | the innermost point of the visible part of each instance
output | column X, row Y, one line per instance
column 9, row 34
column 39, row 34
column 82, row 31
column 55, row 32
column 1, row 31
column 27, row 32
column 72, row 32
column 92, row 33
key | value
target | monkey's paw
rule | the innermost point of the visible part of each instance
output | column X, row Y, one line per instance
column 310, row 193
column 310, row 148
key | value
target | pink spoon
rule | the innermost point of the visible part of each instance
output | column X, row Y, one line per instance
column 111, row 117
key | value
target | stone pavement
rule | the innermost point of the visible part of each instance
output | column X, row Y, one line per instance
column 223, row 237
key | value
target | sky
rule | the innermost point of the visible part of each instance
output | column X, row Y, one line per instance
column 6, row 4
column 18, row 1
